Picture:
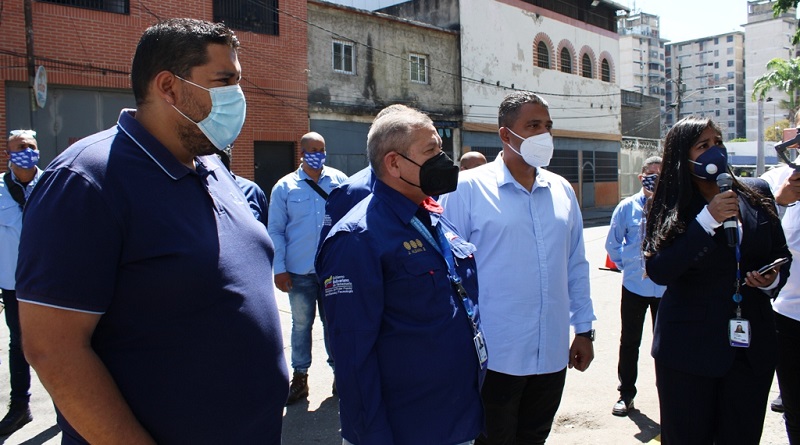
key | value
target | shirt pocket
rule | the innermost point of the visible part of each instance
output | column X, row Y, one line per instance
column 299, row 204
column 420, row 289
column 10, row 214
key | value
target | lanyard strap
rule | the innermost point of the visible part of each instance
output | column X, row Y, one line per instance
column 737, row 296
column 443, row 247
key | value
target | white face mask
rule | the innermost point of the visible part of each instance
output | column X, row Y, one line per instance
column 536, row 150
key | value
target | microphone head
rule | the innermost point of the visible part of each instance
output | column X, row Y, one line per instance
column 724, row 182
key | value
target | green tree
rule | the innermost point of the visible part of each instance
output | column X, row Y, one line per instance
column 783, row 75
column 775, row 132
column 782, row 6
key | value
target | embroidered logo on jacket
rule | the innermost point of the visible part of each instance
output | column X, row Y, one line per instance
column 338, row 284
column 413, row 246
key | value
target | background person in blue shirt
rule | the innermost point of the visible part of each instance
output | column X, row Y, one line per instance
column 15, row 188
column 639, row 293
column 143, row 278
column 526, row 224
column 406, row 361
column 296, row 215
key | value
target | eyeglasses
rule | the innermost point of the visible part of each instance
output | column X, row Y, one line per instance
column 16, row 133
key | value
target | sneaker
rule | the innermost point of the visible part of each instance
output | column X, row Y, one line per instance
column 19, row 415
column 777, row 405
column 298, row 389
column 621, row 408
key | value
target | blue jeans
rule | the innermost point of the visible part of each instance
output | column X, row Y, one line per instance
column 304, row 298
column 19, row 370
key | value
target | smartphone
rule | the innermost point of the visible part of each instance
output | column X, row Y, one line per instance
column 773, row 265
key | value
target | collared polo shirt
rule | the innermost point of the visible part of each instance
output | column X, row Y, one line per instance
column 178, row 270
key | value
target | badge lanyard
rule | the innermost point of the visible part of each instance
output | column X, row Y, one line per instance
column 443, row 248
column 738, row 328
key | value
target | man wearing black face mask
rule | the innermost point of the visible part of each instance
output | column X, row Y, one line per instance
column 400, row 295
column 639, row 293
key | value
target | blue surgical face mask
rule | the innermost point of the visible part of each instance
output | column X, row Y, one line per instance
column 314, row 160
column 710, row 163
column 228, row 108
column 27, row 158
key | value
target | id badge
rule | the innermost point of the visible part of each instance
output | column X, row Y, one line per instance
column 480, row 348
column 739, row 332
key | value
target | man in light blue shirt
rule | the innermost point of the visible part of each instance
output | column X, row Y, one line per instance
column 16, row 186
column 624, row 247
column 296, row 214
column 533, row 275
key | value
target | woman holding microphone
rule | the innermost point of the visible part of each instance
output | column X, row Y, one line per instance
column 714, row 340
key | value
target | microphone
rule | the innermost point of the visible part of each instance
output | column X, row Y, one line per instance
column 725, row 182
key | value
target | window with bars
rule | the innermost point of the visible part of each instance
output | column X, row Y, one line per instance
column 418, row 68
column 605, row 71
column 117, row 6
column 344, row 57
column 586, row 66
column 542, row 56
column 260, row 16
column 566, row 61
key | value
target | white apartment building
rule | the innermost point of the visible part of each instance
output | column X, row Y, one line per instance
column 768, row 37
column 642, row 55
column 706, row 77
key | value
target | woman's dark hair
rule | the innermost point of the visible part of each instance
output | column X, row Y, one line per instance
column 175, row 45
column 668, row 212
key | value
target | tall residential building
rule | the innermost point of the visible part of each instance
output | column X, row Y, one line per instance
column 641, row 55
column 768, row 37
column 705, row 77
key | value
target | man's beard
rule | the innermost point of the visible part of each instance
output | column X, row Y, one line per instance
column 192, row 139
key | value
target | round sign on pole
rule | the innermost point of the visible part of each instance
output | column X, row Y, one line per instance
column 40, row 86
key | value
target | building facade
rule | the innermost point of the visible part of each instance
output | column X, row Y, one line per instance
column 642, row 55
column 768, row 37
column 361, row 61
column 86, row 49
column 706, row 77
column 567, row 51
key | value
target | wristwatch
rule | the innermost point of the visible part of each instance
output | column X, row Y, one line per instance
column 588, row 334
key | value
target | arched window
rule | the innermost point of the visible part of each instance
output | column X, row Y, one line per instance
column 586, row 66
column 605, row 71
column 542, row 55
column 566, row 61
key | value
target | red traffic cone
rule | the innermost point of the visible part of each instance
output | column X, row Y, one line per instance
column 610, row 265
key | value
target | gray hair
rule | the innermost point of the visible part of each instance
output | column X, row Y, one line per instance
column 392, row 132
column 22, row 134
column 650, row 161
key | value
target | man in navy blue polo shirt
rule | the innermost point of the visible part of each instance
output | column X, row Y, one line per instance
column 400, row 294
column 143, row 282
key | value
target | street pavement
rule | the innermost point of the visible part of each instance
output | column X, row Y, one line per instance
column 585, row 412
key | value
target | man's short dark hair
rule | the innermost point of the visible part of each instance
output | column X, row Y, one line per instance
column 175, row 45
column 509, row 108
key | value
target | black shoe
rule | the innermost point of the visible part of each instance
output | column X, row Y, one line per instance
column 622, row 408
column 298, row 388
column 777, row 405
column 19, row 414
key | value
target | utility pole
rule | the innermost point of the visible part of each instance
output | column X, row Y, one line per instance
column 678, row 94
column 31, row 58
column 760, row 142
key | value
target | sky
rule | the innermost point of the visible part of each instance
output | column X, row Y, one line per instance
column 691, row 19
column 680, row 19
